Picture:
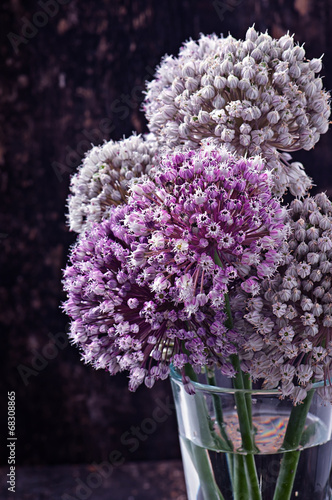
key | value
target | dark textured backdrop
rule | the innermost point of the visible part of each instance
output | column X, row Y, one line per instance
column 70, row 77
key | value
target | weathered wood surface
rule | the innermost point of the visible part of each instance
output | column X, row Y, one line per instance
column 133, row 481
column 86, row 64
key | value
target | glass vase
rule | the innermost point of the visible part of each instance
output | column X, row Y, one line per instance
column 245, row 444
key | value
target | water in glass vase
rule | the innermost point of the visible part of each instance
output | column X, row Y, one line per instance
column 209, row 471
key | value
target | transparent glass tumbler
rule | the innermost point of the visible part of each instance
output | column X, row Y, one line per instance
column 251, row 445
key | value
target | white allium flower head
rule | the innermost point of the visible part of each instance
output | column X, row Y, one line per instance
column 258, row 96
column 102, row 179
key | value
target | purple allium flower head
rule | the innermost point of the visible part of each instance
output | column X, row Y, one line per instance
column 289, row 325
column 207, row 220
column 259, row 96
column 121, row 323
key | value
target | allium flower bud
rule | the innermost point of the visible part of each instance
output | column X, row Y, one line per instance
column 208, row 92
column 286, row 42
column 251, row 34
column 315, row 65
column 203, row 117
column 273, row 117
column 219, row 102
column 232, row 82
column 189, row 69
column 220, row 82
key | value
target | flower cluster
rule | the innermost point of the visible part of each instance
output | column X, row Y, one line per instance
column 291, row 340
column 147, row 285
column 185, row 253
column 259, row 96
column 103, row 177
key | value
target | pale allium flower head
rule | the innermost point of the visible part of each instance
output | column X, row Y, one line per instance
column 258, row 96
column 290, row 344
column 102, row 179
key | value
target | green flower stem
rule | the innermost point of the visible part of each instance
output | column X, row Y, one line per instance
column 202, row 464
column 240, row 482
column 296, row 423
column 219, row 413
column 243, row 409
column 246, row 432
column 285, row 482
column 200, row 455
column 207, row 426
column 221, row 424
column 241, row 381
column 292, row 440
column 248, row 385
column 253, row 477
column 203, row 468
column 189, row 371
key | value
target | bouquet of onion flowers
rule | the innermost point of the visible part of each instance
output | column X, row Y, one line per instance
column 186, row 253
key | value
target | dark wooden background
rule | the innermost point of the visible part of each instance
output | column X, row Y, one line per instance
column 78, row 79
